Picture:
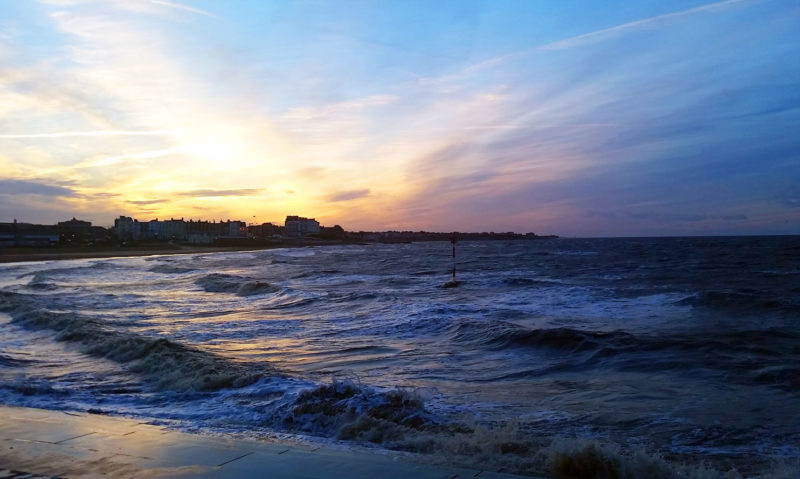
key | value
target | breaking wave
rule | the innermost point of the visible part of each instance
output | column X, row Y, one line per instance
column 42, row 286
column 732, row 351
column 521, row 282
column 9, row 362
column 167, row 365
column 347, row 410
column 733, row 302
column 27, row 387
column 501, row 334
column 398, row 419
column 171, row 269
column 238, row 285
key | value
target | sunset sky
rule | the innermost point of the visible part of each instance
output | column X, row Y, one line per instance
column 564, row 117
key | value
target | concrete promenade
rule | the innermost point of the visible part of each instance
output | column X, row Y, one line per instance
column 59, row 444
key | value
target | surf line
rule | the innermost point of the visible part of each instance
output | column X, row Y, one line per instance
column 453, row 282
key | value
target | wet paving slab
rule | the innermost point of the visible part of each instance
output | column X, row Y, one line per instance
column 57, row 444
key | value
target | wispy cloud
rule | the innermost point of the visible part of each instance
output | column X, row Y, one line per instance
column 112, row 160
column 27, row 187
column 605, row 33
column 573, row 42
column 213, row 193
column 146, row 202
column 181, row 6
column 78, row 134
column 349, row 195
column 140, row 6
column 315, row 112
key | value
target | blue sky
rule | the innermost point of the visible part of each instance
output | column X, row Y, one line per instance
column 571, row 118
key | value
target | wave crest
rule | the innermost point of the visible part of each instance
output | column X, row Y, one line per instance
column 167, row 365
column 170, row 269
column 238, row 285
column 351, row 411
column 733, row 301
column 755, row 356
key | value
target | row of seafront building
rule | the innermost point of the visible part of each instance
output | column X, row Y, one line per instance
column 126, row 229
column 64, row 232
column 205, row 232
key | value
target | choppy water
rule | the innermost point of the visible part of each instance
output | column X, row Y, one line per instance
column 688, row 346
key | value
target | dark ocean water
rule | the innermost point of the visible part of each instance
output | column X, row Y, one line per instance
column 689, row 347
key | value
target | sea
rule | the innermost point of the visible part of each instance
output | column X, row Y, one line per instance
column 679, row 353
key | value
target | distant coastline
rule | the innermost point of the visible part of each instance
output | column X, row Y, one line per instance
column 14, row 254
column 26, row 254
column 74, row 238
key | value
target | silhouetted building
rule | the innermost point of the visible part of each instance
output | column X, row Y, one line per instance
column 127, row 229
column 195, row 232
column 26, row 234
column 8, row 234
column 100, row 234
column 174, row 229
column 299, row 226
column 264, row 230
column 75, row 225
column 332, row 232
column 234, row 229
column 75, row 230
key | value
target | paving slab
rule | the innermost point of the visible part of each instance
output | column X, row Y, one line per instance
column 54, row 444
column 9, row 474
column 165, row 449
column 36, row 427
column 296, row 464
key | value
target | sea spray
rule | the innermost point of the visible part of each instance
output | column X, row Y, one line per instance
column 397, row 419
column 588, row 459
column 351, row 411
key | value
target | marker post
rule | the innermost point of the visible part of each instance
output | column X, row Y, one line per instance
column 454, row 240
column 453, row 283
